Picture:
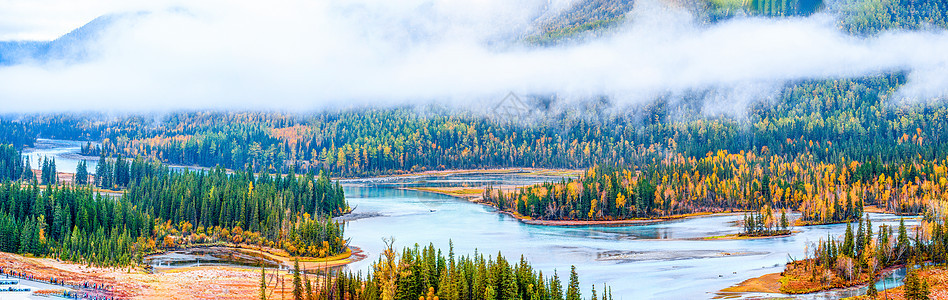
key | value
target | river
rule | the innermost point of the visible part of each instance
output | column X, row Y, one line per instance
column 667, row 260
column 65, row 152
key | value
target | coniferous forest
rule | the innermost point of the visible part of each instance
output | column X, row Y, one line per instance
column 161, row 208
column 426, row 273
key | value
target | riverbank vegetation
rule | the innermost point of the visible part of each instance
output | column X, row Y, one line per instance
column 426, row 273
column 166, row 209
column 13, row 166
column 765, row 223
column 860, row 257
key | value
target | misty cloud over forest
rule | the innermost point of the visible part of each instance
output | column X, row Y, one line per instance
column 315, row 54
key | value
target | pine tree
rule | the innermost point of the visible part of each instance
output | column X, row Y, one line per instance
column 860, row 241
column 556, row 287
column 784, row 222
column 848, row 241
column 915, row 288
column 572, row 291
column 903, row 240
column 309, row 288
column 297, row 281
column 82, row 173
column 867, row 240
column 101, row 172
column 263, row 284
column 28, row 171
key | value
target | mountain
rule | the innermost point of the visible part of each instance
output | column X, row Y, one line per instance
column 70, row 47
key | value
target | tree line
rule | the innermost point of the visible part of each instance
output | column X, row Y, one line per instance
column 162, row 208
column 426, row 273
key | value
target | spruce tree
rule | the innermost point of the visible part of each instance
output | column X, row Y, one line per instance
column 572, row 291
column 848, row 241
column 903, row 240
column 867, row 240
column 82, row 174
column 309, row 288
column 556, row 287
column 784, row 222
column 297, row 281
column 860, row 241
column 915, row 288
column 263, row 284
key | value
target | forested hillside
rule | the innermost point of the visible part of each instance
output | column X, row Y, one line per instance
column 829, row 120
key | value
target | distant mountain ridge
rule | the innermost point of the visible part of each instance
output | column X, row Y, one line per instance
column 70, row 47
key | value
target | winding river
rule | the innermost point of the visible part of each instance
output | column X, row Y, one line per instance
column 667, row 260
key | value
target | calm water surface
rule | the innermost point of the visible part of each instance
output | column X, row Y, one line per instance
column 659, row 261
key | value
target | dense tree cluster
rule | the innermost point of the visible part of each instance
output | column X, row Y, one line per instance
column 765, row 222
column 874, row 16
column 82, row 173
column 425, row 273
column 823, row 147
column 163, row 208
column 71, row 223
column 859, row 257
column 675, row 185
column 580, row 19
column 827, row 119
column 13, row 165
column 48, row 173
column 16, row 133
column 288, row 212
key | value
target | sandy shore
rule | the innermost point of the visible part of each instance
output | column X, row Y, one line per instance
column 769, row 283
column 203, row 282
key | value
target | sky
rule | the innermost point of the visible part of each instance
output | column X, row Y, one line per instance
column 308, row 55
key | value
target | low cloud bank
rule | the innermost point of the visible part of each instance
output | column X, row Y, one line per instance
column 304, row 55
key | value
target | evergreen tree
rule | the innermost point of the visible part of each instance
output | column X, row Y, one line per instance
column 848, row 241
column 860, row 239
column 556, row 287
column 867, row 241
column 572, row 290
column 903, row 240
column 915, row 288
column 309, row 288
column 784, row 222
column 297, row 281
column 82, row 174
column 102, row 173
column 263, row 283
column 28, row 171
